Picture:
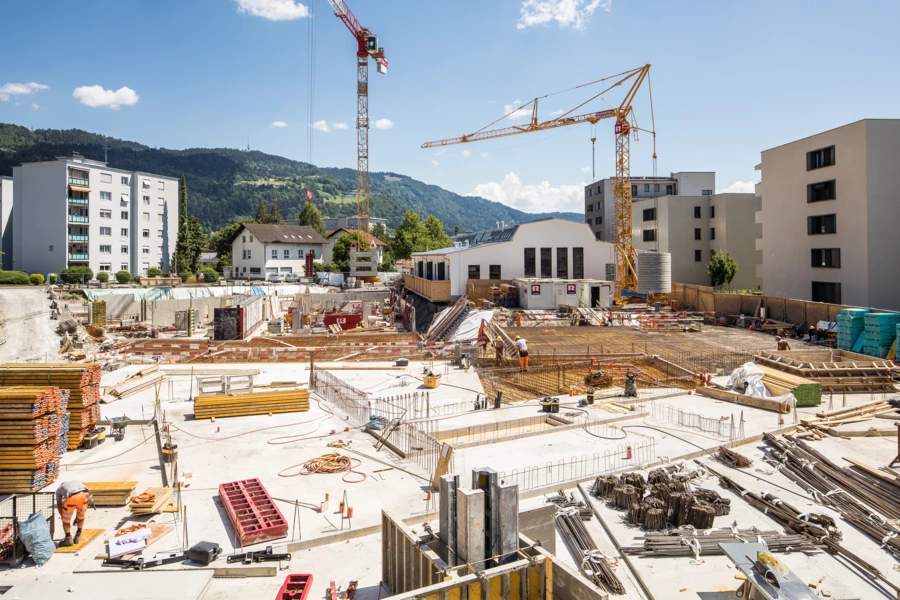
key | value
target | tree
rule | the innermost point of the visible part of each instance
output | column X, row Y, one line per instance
column 209, row 275
column 198, row 243
column 436, row 236
column 413, row 235
column 341, row 252
column 220, row 240
column 123, row 276
column 103, row 277
column 456, row 230
column 380, row 231
column 274, row 215
column 262, row 215
column 721, row 269
column 311, row 217
column 183, row 242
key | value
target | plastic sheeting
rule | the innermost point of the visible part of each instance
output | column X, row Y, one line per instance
column 748, row 381
column 35, row 535
column 187, row 293
column 468, row 329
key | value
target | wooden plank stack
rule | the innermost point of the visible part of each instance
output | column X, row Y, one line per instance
column 111, row 493
column 260, row 403
column 151, row 501
column 806, row 391
column 82, row 381
column 827, row 421
column 34, row 429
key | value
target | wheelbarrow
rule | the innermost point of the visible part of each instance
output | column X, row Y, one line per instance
column 117, row 427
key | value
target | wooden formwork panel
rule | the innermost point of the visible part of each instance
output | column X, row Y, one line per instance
column 252, row 511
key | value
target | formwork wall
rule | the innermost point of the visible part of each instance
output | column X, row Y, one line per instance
column 162, row 312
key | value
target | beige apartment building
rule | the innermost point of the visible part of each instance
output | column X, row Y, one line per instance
column 691, row 227
column 829, row 215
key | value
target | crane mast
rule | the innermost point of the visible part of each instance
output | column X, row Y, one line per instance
column 625, row 125
column 367, row 46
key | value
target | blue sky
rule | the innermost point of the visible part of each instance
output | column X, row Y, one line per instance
column 729, row 79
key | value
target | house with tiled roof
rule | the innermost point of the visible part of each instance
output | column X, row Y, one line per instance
column 259, row 251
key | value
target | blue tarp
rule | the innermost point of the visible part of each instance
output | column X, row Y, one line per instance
column 157, row 293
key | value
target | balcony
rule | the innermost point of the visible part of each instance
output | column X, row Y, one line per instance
column 78, row 181
column 436, row 291
column 77, row 238
column 78, row 200
column 77, row 219
column 78, row 257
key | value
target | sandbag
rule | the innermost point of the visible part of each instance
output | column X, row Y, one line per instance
column 35, row 535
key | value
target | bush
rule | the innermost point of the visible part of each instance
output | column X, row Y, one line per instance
column 184, row 277
column 14, row 278
column 123, row 276
column 154, row 272
column 36, row 279
column 103, row 277
column 209, row 275
column 52, row 278
column 79, row 274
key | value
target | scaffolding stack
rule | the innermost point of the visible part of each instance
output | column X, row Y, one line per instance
column 34, row 429
column 850, row 325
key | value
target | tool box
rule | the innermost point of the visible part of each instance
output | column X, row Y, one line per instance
column 204, row 553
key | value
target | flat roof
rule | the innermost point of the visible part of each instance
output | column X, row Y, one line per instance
column 824, row 132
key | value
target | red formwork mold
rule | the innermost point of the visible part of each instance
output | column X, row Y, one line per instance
column 252, row 511
column 295, row 587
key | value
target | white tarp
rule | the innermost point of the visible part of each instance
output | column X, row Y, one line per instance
column 748, row 381
column 468, row 329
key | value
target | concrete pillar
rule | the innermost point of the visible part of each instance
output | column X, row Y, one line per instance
column 486, row 479
column 508, row 530
column 470, row 526
column 448, row 518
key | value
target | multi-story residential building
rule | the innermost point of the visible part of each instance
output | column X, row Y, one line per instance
column 598, row 196
column 691, row 227
column 76, row 211
column 259, row 251
column 335, row 223
column 829, row 216
column 6, row 234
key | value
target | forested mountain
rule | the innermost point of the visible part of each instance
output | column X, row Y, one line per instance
column 226, row 183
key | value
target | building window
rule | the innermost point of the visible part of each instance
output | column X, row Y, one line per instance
column 697, row 234
column 818, row 192
column 159, row 218
column 251, row 238
column 106, row 195
column 577, row 263
column 123, row 232
column 124, row 266
column 124, row 249
column 442, row 271
column 610, row 271
column 697, row 213
column 145, row 233
column 159, row 233
column 670, row 189
column 649, row 214
column 590, row 192
column 161, row 201
column 590, row 208
column 826, row 257
column 712, row 233
column 494, row 272
column 105, row 249
column 274, row 253
column 146, row 200
column 698, row 256
column 159, row 250
column 255, row 270
column 649, row 235
column 287, row 253
column 646, row 187
column 124, row 181
column 145, row 184
column 562, row 263
column 124, row 214
column 821, row 224
column 105, row 267
column 530, row 269
column 712, row 212
column 474, row 271
column 598, row 235
column 826, row 291
column 598, row 221
column 546, row 263
column 707, row 192
column 589, row 221
column 106, row 214
column 818, row 159
column 655, row 187
column 105, row 177
column 633, row 190
column 145, row 250
column 162, row 185
column 106, row 231
column 145, row 216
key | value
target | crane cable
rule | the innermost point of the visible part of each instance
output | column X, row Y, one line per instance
column 311, row 80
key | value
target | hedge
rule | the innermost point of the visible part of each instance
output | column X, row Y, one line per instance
column 103, row 277
column 14, row 278
column 36, row 279
column 78, row 274
column 123, row 276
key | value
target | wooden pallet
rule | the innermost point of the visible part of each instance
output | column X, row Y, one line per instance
column 111, row 493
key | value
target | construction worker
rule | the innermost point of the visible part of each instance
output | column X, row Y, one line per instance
column 71, row 502
column 782, row 343
column 498, row 349
column 522, row 347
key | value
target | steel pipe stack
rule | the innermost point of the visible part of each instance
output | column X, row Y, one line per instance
column 594, row 565
column 34, row 429
column 81, row 380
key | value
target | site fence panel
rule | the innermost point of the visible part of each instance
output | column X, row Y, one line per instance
column 724, row 427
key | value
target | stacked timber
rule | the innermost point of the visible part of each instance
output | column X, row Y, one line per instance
column 111, row 493
column 258, row 403
column 806, row 391
column 82, row 381
column 836, row 370
column 151, row 501
column 34, row 429
column 827, row 421
column 142, row 380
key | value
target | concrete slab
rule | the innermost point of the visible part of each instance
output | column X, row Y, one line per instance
column 112, row 585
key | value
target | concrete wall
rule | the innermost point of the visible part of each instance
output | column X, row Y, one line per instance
column 695, row 183
column 162, row 312
column 738, row 233
column 6, row 227
column 539, row 524
column 39, row 218
column 883, row 213
column 162, row 193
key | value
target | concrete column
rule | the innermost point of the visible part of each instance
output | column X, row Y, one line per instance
column 448, row 518
column 470, row 526
column 486, row 480
column 508, row 530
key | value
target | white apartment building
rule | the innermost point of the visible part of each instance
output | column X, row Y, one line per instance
column 598, row 196
column 76, row 211
column 6, row 233
column 829, row 215
column 258, row 251
column 691, row 227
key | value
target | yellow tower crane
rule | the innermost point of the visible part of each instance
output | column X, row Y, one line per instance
column 625, row 124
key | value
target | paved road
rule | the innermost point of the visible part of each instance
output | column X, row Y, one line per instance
column 25, row 325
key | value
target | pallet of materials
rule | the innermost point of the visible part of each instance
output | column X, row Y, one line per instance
column 806, row 391
column 33, row 432
column 28, row 401
column 151, row 501
column 257, row 403
column 111, row 493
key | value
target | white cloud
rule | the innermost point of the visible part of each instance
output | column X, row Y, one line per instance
column 435, row 163
column 586, row 170
column 278, row 124
column 321, row 126
column 274, row 10
column 567, row 13
column 384, row 124
column 339, row 125
column 739, row 187
column 20, row 89
column 556, row 113
column 521, row 113
column 533, row 198
column 95, row 96
column 467, row 153
column 36, row 106
column 484, row 155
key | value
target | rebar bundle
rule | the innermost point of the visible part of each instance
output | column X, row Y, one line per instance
column 732, row 458
column 688, row 541
column 604, row 485
column 721, row 505
column 594, row 564
column 568, row 502
column 624, row 496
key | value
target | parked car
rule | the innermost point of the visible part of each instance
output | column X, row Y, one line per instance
column 274, row 278
column 291, row 278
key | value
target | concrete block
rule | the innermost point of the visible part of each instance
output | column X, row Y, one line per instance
column 470, row 525
column 507, row 501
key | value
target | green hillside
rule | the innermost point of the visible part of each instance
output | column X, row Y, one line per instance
column 226, row 183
